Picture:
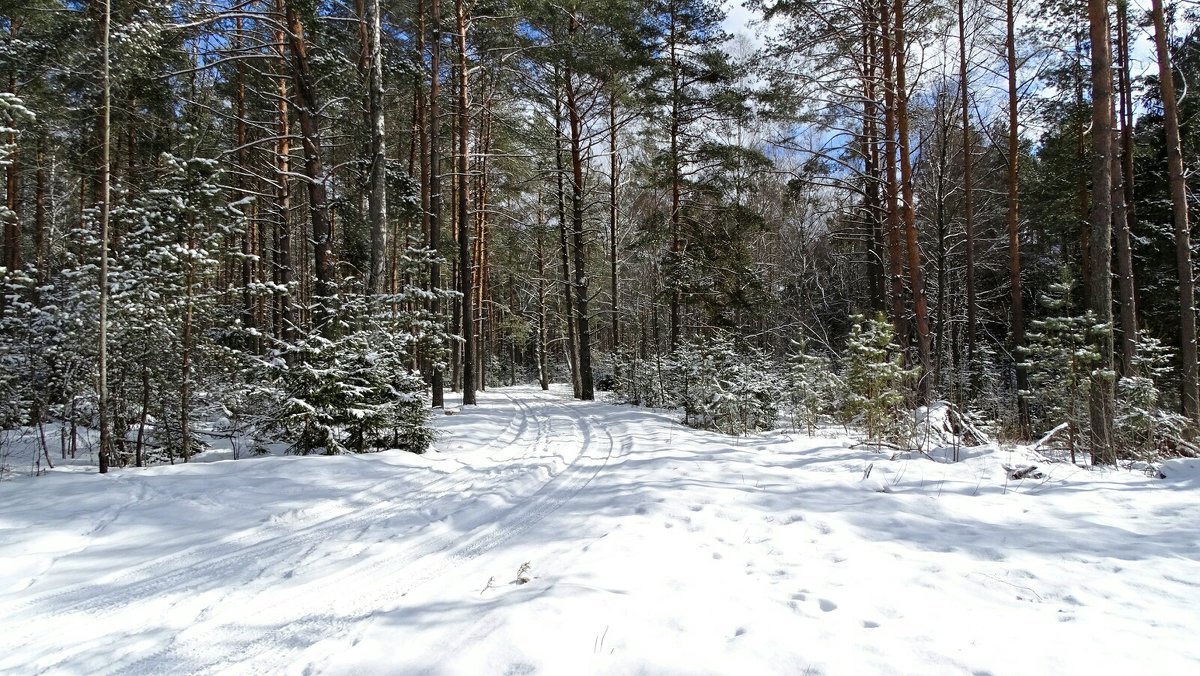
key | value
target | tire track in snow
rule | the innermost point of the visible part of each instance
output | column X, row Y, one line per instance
column 221, row 562
column 273, row 651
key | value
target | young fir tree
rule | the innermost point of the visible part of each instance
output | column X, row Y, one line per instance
column 876, row 380
column 1060, row 361
column 359, row 391
column 812, row 388
column 1143, row 425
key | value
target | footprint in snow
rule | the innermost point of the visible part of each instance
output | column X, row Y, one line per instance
column 827, row 605
column 868, row 624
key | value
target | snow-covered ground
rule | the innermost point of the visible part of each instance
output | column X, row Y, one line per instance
column 651, row 548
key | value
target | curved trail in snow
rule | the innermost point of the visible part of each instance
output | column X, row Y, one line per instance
column 252, row 603
column 216, row 560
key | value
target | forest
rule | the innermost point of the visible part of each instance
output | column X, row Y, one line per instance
column 304, row 222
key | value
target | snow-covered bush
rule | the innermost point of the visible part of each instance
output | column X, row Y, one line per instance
column 352, row 394
column 1142, row 424
column 358, row 391
column 1060, row 358
column 639, row 381
column 876, row 381
column 812, row 389
column 745, row 394
column 718, row 385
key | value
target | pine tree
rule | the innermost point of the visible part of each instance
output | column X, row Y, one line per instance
column 1061, row 361
column 876, row 380
column 1143, row 424
column 812, row 388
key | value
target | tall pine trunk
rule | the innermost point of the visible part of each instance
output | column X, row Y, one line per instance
column 1100, row 239
column 583, row 330
column 568, row 302
column 891, row 187
column 916, row 281
column 613, row 185
column 324, row 303
column 968, row 199
column 1179, row 208
column 377, row 195
column 1014, row 222
column 105, row 194
column 435, row 182
column 464, row 228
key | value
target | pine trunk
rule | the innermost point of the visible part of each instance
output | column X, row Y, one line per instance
column 1179, row 207
column 464, row 230
column 377, row 196
column 583, row 332
column 324, row 292
column 968, row 198
column 435, row 183
column 920, row 303
column 1014, row 223
column 891, row 188
column 1100, row 240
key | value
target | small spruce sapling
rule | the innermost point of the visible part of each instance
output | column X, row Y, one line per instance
column 1143, row 425
column 1060, row 358
column 876, row 381
column 812, row 387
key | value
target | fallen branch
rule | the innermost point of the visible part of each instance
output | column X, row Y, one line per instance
column 1019, row 473
column 1050, row 435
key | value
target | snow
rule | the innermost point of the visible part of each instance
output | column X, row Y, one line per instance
column 651, row 548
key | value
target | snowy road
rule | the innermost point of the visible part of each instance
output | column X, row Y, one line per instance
column 651, row 548
column 394, row 536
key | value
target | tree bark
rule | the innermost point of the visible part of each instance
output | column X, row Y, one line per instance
column 871, row 170
column 435, row 182
column 568, row 302
column 464, row 229
column 891, row 188
column 676, row 182
column 105, row 193
column 323, row 319
column 239, row 95
column 377, row 196
column 543, row 376
column 39, row 216
column 613, row 185
column 1179, row 208
column 1014, row 223
column 920, row 303
column 968, row 198
column 285, row 325
column 583, row 332
column 1100, row 240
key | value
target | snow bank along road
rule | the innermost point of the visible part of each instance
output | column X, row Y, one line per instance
column 651, row 548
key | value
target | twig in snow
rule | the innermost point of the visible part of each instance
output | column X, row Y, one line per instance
column 523, row 573
column 1015, row 586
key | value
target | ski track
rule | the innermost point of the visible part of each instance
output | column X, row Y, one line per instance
column 211, row 566
column 218, row 641
column 151, row 576
column 271, row 653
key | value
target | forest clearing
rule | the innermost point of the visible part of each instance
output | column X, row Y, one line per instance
column 547, row 535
